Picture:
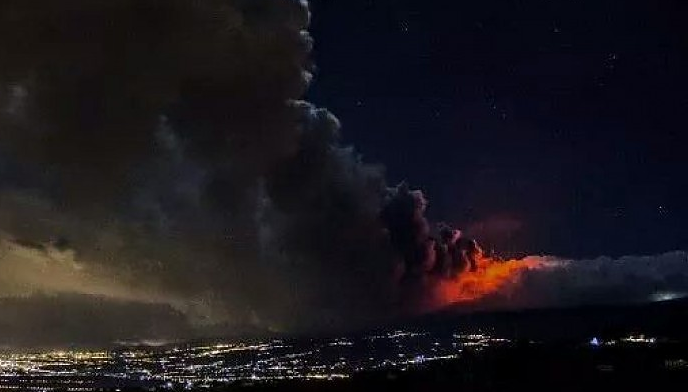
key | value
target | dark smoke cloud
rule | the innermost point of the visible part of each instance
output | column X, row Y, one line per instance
column 440, row 253
column 86, row 82
column 164, row 144
column 409, row 230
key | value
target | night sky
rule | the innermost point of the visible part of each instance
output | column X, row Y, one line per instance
column 555, row 126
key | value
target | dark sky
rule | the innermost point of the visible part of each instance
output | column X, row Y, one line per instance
column 557, row 125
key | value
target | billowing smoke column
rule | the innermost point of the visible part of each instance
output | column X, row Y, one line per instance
column 157, row 166
column 163, row 144
column 431, row 260
column 445, row 255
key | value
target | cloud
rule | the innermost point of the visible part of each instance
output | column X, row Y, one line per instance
column 555, row 282
column 53, row 321
column 166, row 143
column 28, row 268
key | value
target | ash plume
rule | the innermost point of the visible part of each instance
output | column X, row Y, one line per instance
column 166, row 143
column 427, row 252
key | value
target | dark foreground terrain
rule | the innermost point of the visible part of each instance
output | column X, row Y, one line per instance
column 525, row 368
column 610, row 348
column 522, row 367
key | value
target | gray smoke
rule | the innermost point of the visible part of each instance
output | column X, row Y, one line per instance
column 163, row 145
column 441, row 252
column 602, row 280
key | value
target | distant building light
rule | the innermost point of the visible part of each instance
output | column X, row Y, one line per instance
column 676, row 364
column 594, row 342
column 639, row 339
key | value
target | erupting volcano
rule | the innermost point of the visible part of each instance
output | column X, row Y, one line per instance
column 445, row 266
column 491, row 275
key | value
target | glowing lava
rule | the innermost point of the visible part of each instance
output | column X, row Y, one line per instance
column 492, row 275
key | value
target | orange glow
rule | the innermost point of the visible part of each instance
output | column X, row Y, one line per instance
column 491, row 276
